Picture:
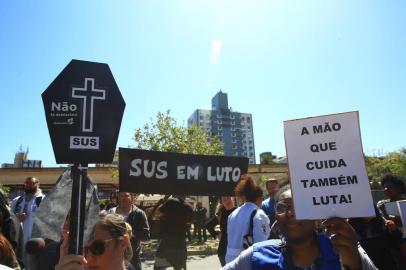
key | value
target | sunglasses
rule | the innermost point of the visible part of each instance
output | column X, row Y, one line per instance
column 98, row 247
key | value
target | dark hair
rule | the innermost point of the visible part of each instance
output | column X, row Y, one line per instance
column 33, row 178
column 248, row 188
column 7, row 255
column 397, row 181
column 117, row 227
column 114, row 194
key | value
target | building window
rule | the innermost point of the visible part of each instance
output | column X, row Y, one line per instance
column 248, row 120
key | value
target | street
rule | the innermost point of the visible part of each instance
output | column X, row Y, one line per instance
column 193, row 263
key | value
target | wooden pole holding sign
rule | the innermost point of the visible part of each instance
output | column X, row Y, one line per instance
column 78, row 209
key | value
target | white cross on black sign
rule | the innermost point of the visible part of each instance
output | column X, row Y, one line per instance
column 88, row 94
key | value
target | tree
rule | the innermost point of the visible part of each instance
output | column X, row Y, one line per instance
column 393, row 162
column 166, row 135
column 5, row 189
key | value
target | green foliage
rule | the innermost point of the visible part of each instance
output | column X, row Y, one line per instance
column 166, row 135
column 262, row 180
column 393, row 162
column 266, row 160
column 5, row 189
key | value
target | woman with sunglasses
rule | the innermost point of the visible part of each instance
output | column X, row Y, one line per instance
column 110, row 248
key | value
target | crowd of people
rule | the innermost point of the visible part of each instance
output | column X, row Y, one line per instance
column 253, row 233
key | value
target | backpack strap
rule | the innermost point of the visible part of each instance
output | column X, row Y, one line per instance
column 251, row 227
column 38, row 200
column 17, row 207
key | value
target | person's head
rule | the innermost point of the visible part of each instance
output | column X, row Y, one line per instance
column 271, row 186
column 125, row 199
column 248, row 190
column 227, row 202
column 31, row 185
column 295, row 231
column 393, row 186
column 114, row 197
column 199, row 205
column 7, row 255
column 110, row 246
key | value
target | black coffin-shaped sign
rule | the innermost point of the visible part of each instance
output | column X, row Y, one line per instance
column 84, row 109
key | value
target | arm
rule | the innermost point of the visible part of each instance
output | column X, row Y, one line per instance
column 344, row 241
column 210, row 225
column 388, row 220
column 261, row 228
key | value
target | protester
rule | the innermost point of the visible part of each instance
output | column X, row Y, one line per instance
column 224, row 210
column 175, row 214
column 24, row 206
column 125, row 205
column 138, row 221
column 7, row 255
column 49, row 256
column 113, row 200
column 199, row 215
column 140, row 232
column 109, row 249
column 239, row 220
column 302, row 247
column 268, row 205
column 395, row 188
column 372, row 238
column 10, row 227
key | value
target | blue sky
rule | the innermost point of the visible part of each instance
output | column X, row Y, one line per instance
column 278, row 60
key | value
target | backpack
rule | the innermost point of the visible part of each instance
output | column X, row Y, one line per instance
column 248, row 239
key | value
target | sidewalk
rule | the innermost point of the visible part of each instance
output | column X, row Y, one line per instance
column 193, row 248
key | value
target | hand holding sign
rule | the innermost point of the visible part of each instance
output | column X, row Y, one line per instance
column 344, row 240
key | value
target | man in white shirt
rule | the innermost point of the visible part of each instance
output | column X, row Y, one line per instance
column 24, row 206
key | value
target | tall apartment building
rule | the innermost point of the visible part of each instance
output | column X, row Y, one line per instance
column 234, row 129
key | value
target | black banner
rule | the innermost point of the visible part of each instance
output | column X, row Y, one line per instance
column 153, row 172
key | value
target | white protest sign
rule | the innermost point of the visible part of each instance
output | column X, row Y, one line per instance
column 402, row 212
column 327, row 167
